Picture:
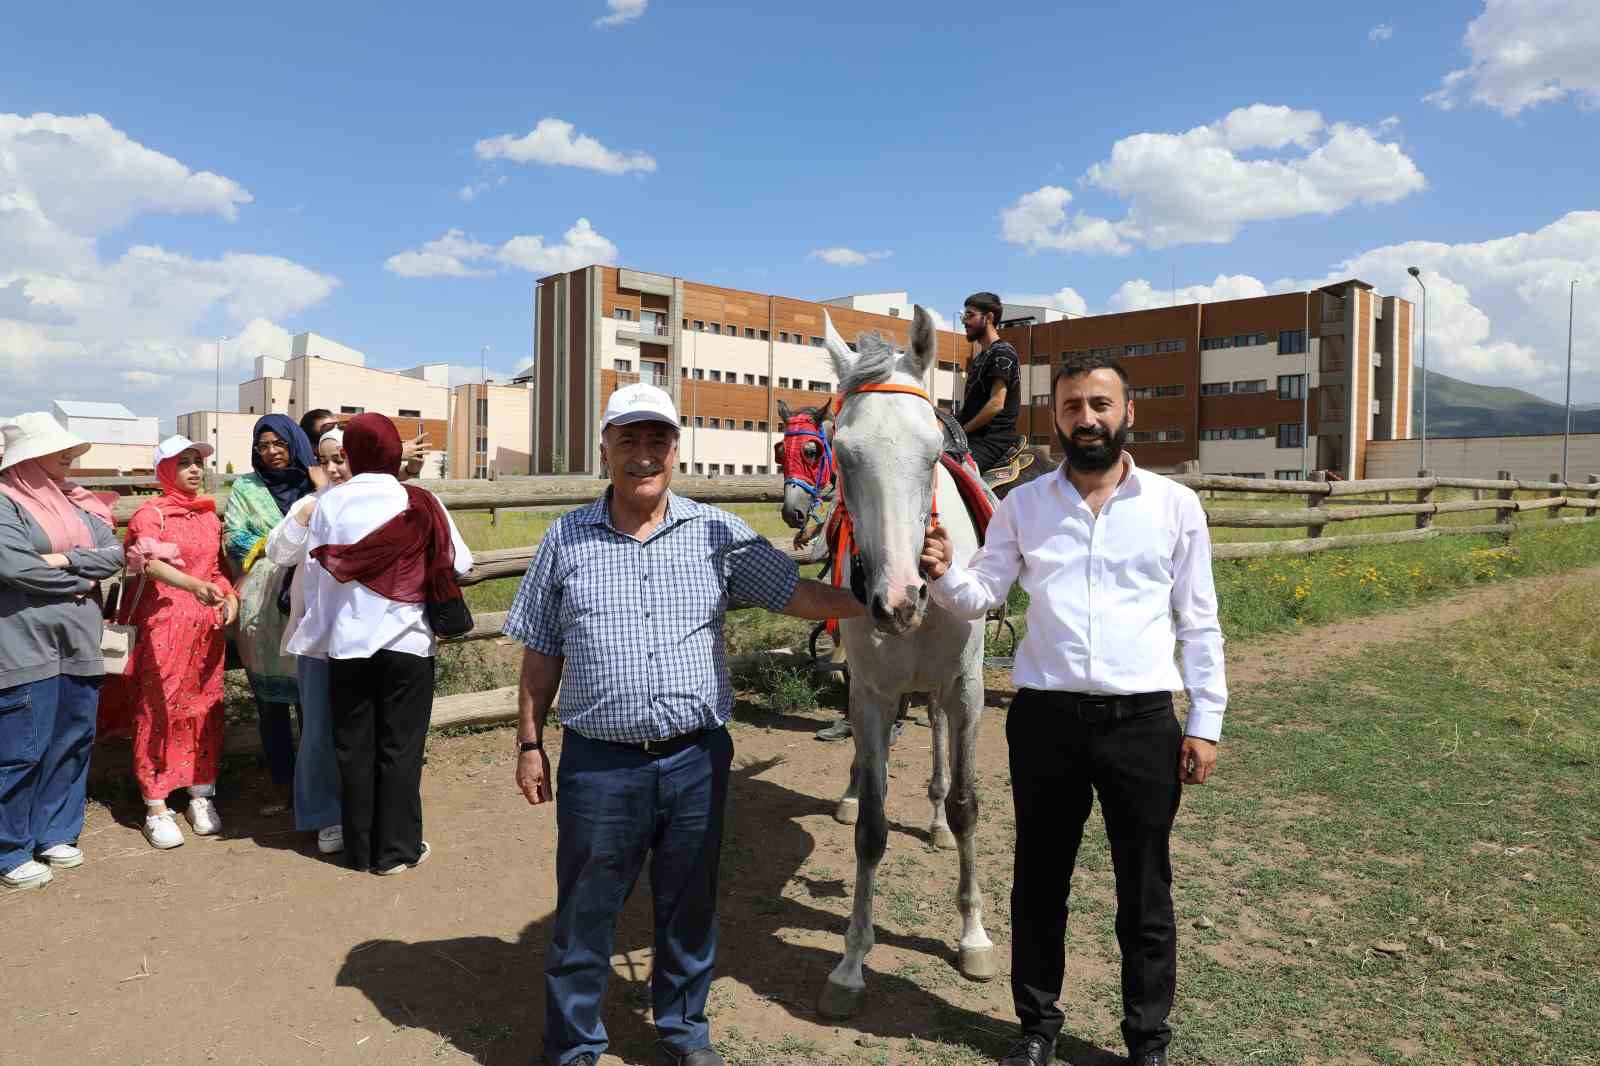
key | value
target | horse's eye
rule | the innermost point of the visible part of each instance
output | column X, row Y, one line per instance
column 811, row 450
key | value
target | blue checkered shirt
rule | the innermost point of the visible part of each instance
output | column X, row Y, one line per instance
column 640, row 623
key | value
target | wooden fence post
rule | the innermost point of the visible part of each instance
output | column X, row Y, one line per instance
column 1557, row 488
column 1314, row 499
column 1594, row 493
column 1425, row 519
column 1505, row 516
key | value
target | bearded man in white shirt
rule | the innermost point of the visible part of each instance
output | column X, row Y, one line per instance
column 1116, row 562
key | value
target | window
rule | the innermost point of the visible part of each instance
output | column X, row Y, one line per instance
column 686, row 323
column 699, row 468
column 1291, row 386
column 1256, row 385
column 727, row 468
column 1216, row 388
column 1289, row 435
column 761, row 427
column 252, row 408
column 1171, row 346
column 1154, row 392
column 1253, row 475
column 1042, row 400
column 783, row 335
column 352, row 410
column 894, row 312
column 716, row 375
column 1286, row 475
column 749, row 333
column 1040, row 359
column 1136, row 349
column 699, row 422
column 749, row 469
column 683, row 371
column 1211, row 344
column 762, row 380
column 1169, row 434
column 404, row 413
column 764, row 335
column 623, row 314
column 819, row 386
column 1235, row 433
column 622, row 366
column 749, row 423
column 783, row 383
column 817, row 342
column 1245, row 340
column 1291, row 341
column 1100, row 352
column 683, row 468
column 683, row 420
column 699, row 326
column 713, row 423
column 716, row 327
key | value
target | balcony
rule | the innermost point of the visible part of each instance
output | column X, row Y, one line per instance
column 652, row 333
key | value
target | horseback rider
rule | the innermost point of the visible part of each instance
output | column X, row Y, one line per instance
column 994, row 384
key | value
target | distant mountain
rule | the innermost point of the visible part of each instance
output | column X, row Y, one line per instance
column 1459, row 408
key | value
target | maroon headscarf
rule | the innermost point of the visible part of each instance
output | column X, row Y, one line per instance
column 373, row 445
column 408, row 559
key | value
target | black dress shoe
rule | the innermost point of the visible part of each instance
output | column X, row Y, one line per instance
column 1149, row 1058
column 1033, row 1050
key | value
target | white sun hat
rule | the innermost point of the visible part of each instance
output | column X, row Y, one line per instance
column 176, row 445
column 639, row 403
column 36, row 434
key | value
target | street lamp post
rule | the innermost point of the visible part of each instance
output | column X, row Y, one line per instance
column 1422, row 461
column 1566, row 433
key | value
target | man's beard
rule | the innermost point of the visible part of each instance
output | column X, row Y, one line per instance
column 975, row 333
column 1101, row 454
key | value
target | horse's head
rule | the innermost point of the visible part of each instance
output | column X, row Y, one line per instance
column 806, row 462
column 887, row 444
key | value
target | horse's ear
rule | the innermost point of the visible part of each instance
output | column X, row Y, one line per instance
column 821, row 413
column 783, row 412
column 924, row 342
column 843, row 358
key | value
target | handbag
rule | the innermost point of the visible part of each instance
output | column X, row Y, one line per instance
column 450, row 617
column 117, row 639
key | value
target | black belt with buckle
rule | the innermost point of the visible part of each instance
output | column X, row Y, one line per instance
column 1095, row 710
column 659, row 748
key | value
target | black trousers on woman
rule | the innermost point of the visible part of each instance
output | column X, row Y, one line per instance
column 1064, row 750
column 381, row 708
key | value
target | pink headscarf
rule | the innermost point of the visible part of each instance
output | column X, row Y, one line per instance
column 175, row 499
column 55, row 504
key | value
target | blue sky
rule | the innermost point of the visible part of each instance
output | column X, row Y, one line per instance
column 258, row 173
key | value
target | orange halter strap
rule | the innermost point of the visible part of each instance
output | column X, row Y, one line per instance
column 907, row 390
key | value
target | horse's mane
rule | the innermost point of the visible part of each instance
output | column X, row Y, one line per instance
column 875, row 361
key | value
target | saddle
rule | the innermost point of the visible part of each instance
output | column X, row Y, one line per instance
column 1008, row 470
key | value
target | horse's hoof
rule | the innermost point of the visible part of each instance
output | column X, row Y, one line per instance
column 839, row 1001
column 942, row 838
column 977, row 964
column 847, row 811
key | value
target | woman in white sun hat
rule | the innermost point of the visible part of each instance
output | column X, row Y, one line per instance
column 182, row 604
column 57, row 541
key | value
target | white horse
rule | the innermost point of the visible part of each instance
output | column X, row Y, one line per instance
column 887, row 442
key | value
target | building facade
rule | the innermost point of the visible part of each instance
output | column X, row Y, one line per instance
column 1270, row 386
column 490, row 430
column 726, row 356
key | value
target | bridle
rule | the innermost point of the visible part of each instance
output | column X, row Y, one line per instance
column 801, row 427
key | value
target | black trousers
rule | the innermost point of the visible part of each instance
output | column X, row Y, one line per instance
column 1058, row 763
column 987, row 450
column 381, row 708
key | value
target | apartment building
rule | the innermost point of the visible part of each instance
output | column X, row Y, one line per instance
column 490, row 430
column 726, row 356
column 1264, row 387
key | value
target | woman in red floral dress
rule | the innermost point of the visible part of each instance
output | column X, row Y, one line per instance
column 182, row 602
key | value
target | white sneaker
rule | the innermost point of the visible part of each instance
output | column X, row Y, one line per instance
column 390, row 871
column 330, row 839
column 30, row 874
column 202, row 815
column 162, row 831
column 62, row 856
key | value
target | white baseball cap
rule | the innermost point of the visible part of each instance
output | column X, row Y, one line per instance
column 639, row 403
column 176, row 445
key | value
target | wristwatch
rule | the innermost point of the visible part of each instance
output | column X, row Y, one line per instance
column 530, row 745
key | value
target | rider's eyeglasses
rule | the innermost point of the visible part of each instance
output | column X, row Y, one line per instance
column 271, row 446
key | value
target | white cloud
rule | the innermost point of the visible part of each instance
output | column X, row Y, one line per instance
column 76, row 325
column 457, row 255
column 1198, row 187
column 472, row 190
column 1139, row 294
column 846, row 257
column 1528, row 52
column 1381, row 32
column 557, row 143
column 622, row 11
column 1063, row 299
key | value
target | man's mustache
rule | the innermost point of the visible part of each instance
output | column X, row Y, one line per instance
column 642, row 469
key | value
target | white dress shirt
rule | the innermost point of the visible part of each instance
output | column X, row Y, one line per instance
column 1109, row 596
column 347, row 620
column 286, row 546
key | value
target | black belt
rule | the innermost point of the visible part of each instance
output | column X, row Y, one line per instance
column 1094, row 710
column 669, row 746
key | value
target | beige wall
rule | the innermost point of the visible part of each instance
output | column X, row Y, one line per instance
column 1533, row 458
column 507, row 433
column 123, row 458
column 232, row 442
column 325, row 383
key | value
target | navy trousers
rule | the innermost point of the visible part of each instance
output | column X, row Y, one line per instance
column 46, row 733
column 616, row 806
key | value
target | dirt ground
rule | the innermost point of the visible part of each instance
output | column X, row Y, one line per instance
column 254, row 949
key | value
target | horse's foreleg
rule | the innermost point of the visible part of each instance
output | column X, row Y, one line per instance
column 846, row 989
column 965, row 709
column 939, row 834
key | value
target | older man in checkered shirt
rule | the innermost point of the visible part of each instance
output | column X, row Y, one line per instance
column 622, row 609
